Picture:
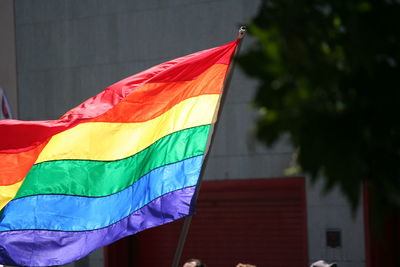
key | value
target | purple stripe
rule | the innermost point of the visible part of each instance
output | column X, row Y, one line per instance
column 44, row 248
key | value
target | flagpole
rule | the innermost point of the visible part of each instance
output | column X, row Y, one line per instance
column 188, row 219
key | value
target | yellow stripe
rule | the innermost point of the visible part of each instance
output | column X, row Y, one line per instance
column 7, row 192
column 113, row 141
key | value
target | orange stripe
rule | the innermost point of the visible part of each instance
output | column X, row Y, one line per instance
column 153, row 99
column 14, row 167
column 145, row 103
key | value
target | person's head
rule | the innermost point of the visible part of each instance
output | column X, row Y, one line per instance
column 322, row 263
column 194, row 263
column 245, row 265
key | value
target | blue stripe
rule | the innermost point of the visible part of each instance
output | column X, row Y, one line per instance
column 73, row 213
column 48, row 248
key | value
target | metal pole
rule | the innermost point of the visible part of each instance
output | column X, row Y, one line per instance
column 188, row 219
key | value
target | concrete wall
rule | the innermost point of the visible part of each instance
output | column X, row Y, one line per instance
column 331, row 211
column 8, row 74
column 69, row 50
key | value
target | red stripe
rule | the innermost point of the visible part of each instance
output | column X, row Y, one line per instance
column 189, row 67
column 17, row 136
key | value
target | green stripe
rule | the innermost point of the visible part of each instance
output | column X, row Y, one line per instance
column 102, row 178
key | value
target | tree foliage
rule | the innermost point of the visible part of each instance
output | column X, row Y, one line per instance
column 330, row 77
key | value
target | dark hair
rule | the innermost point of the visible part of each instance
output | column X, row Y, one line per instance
column 197, row 261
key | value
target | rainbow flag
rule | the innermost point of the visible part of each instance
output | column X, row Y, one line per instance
column 123, row 161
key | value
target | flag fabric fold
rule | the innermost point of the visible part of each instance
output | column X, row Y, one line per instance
column 123, row 161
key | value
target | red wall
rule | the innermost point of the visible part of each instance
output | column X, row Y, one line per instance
column 382, row 245
column 258, row 221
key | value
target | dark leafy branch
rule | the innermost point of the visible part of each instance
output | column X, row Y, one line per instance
column 330, row 77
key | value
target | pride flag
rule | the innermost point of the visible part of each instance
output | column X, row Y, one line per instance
column 123, row 161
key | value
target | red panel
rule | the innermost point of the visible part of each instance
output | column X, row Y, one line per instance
column 120, row 253
column 258, row 221
column 382, row 249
